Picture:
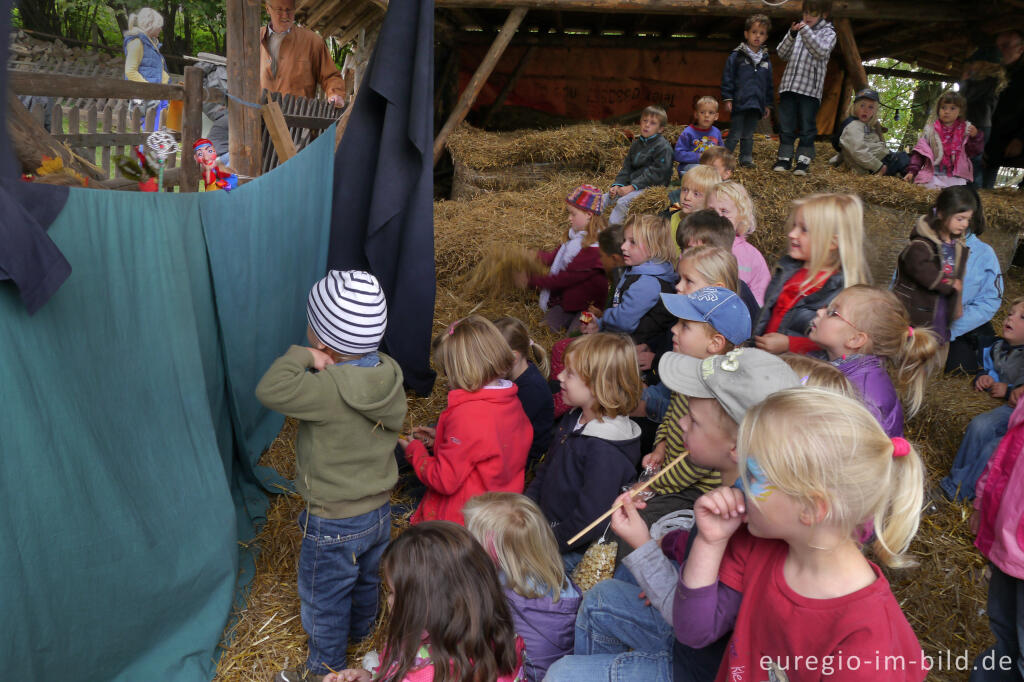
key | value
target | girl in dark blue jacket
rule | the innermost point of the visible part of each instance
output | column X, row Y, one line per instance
column 747, row 87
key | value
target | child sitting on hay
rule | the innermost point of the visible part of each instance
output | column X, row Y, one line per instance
column 699, row 135
column 350, row 411
column 862, row 142
column 577, row 278
column 648, row 162
column 943, row 153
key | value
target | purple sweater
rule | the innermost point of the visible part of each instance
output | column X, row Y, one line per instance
column 693, row 141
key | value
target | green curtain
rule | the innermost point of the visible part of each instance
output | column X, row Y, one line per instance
column 129, row 432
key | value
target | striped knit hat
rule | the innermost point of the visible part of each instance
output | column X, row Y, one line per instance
column 347, row 311
column 587, row 198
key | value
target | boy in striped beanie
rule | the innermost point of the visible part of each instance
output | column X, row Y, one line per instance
column 350, row 404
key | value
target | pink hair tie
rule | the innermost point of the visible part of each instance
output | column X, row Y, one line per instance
column 451, row 328
column 910, row 332
column 900, row 447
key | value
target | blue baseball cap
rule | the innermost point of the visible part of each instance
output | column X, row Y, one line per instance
column 719, row 307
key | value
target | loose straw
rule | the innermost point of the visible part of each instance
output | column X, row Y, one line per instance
column 632, row 493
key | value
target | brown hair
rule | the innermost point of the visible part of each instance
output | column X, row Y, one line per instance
column 654, row 234
column 446, row 586
column 609, row 241
column 518, row 338
column 706, row 99
column 955, row 98
column 758, row 19
column 708, row 228
column 717, row 153
column 607, row 364
column 655, row 110
column 820, row 374
column 472, row 353
column 819, row 7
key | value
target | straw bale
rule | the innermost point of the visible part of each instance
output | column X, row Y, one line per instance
column 943, row 597
column 588, row 145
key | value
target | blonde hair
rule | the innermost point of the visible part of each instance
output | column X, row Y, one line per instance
column 872, row 123
column 913, row 352
column 746, row 221
column 716, row 265
column 839, row 219
column 706, row 99
column 654, row 234
column 518, row 338
column 820, row 374
column 843, row 458
column 472, row 353
column 516, row 535
column 718, row 153
column 701, row 178
column 146, row 20
column 607, row 364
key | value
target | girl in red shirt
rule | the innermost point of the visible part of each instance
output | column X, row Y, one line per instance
column 814, row 465
column 483, row 436
column 825, row 255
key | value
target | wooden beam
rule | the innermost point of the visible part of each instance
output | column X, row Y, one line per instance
column 851, row 55
column 243, row 53
column 896, row 10
column 191, row 128
column 476, row 83
column 610, row 42
column 912, row 75
column 273, row 118
column 499, row 101
column 45, row 84
column 75, row 140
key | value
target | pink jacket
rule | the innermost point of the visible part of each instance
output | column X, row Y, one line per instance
column 999, row 501
column 753, row 268
column 921, row 157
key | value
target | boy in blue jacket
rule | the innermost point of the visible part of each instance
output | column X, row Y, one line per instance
column 648, row 163
column 699, row 136
column 747, row 87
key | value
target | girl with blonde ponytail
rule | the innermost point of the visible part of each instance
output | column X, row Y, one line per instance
column 864, row 331
column 529, row 372
column 814, row 464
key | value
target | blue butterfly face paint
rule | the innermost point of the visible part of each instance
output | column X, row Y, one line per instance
column 755, row 483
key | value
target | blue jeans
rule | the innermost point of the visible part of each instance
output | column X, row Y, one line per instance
column 980, row 440
column 618, row 214
column 896, row 163
column 743, row 124
column 1005, row 660
column 339, row 581
column 797, row 124
column 617, row 638
column 656, row 399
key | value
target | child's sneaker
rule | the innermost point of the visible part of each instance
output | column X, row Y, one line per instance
column 781, row 165
column 746, row 163
column 803, row 164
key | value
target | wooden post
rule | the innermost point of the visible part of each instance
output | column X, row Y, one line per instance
column 499, row 101
column 851, row 55
column 191, row 128
column 273, row 118
column 31, row 143
column 476, row 83
column 243, row 54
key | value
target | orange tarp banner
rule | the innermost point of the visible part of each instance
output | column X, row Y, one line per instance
column 591, row 83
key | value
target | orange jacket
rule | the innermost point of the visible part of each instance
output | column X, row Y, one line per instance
column 302, row 62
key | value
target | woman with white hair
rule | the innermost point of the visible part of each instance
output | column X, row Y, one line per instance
column 142, row 59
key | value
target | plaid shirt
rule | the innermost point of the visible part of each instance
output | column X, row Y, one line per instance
column 807, row 55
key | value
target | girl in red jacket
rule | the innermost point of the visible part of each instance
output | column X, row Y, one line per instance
column 577, row 279
column 483, row 436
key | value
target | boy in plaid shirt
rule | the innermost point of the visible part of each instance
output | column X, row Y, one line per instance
column 806, row 48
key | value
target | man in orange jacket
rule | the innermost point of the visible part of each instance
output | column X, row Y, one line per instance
column 294, row 59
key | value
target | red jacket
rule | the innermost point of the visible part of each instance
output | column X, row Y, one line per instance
column 581, row 283
column 480, row 446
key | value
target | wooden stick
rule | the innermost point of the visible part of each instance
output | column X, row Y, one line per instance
column 632, row 493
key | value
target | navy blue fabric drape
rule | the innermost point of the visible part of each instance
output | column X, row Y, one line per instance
column 383, row 218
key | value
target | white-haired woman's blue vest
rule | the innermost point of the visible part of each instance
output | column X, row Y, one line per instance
column 152, row 66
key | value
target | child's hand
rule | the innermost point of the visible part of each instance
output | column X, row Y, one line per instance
column 321, row 360
column 1015, row 396
column 350, row 675
column 909, row 177
column 971, row 130
column 424, row 434
column 644, row 598
column 727, row 104
column 589, row 328
column 645, row 356
column 719, row 514
column 656, row 457
column 520, row 279
column 998, row 389
column 984, row 382
column 796, row 26
column 883, row 170
column 773, row 343
column 626, row 522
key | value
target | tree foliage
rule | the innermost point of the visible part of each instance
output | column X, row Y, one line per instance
column 905, row 102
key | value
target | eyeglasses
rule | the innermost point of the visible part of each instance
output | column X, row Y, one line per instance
column 832, row 312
